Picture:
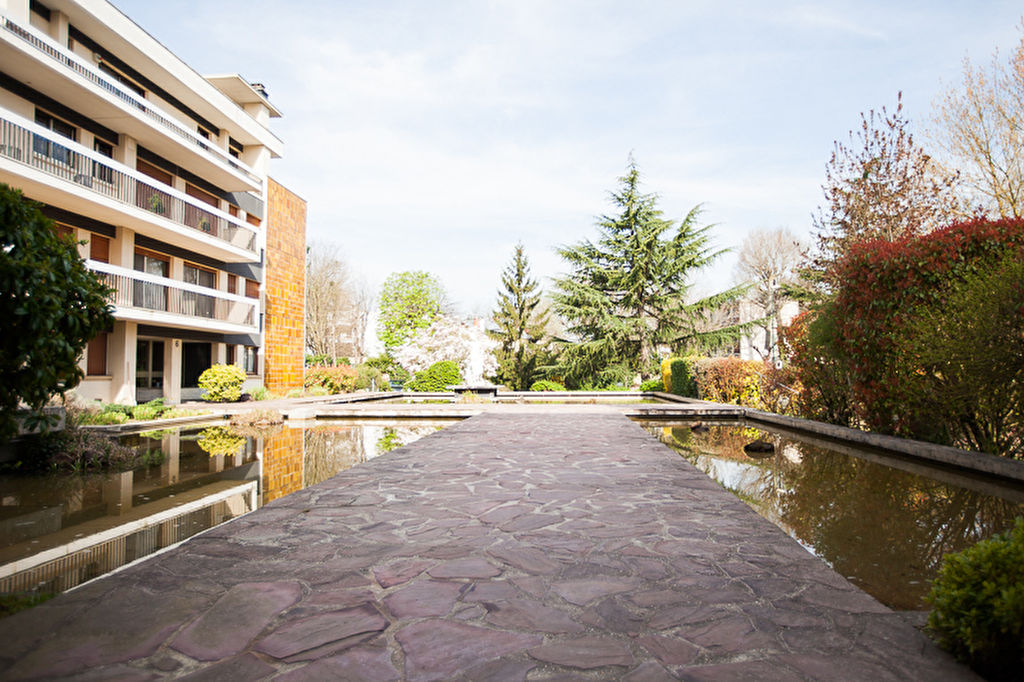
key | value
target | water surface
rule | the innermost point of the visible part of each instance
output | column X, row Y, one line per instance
column 884, row 528
column 57, row 531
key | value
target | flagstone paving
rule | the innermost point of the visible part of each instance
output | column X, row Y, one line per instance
column 507, row 547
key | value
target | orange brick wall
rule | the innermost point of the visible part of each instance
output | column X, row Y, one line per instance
column 283, row 459
column 284, row 290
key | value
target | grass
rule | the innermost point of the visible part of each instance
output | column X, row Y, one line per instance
column 20, row 601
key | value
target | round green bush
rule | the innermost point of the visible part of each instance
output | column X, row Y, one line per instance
column 222, row 383
column 546, row 385
column 652, row 385
column 978, row 605
column 438, row 377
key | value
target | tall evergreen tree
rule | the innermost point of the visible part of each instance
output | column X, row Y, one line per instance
column 520, row 325
column 627, row 293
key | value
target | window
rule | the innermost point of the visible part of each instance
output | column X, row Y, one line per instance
column 252, row 289
column 197, row 217
column 234, row 147
column 153, row 172
column 204, row 277
column 121, row 78
column 193, row 303
column 99, row 248
column 232, row 284
column 150, row 294
column 96, row 355
column 231, row 354
column 202, row 195
column 249, row 359
column 149, row 364
column 63, row 230
column 101, row 171
column 43, row 146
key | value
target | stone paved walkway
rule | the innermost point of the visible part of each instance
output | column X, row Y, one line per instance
column 507, row 547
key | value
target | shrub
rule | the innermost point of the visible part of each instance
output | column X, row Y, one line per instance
column 369, row 378
column 546, row 385
column 388, row 365
column 101, row 418
column 318, row 359
column 222, row 383
column 729, row 380
column 151, row 410
column 259, row 393
column 145, row 412
column 651, row 385
column 340, row 379
column 666, row 373
column 438, row 377
column 681, row 377
column 779, row 389
column 220, row 440
column 978, row 605
column 885, row 287
column 176, row 412
column 970, row 350
column 78, row 450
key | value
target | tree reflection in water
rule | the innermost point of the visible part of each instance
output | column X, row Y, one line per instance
column 331, row 448
column 886, row 530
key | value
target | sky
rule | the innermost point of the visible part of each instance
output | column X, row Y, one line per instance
column 436, row 135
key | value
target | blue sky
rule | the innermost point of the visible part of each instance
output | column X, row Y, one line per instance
column 435, row 135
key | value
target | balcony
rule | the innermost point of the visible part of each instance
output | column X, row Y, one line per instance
column 152, row 299
column 226, row 170
column 151, row 203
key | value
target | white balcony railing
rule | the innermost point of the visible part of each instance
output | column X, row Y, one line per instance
column 69, row 60
column 134, row 290
column 28, row 143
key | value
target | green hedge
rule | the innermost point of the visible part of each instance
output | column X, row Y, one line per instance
column 546, row 385
column 437, row 377
column 681, row 377
column 978, row 605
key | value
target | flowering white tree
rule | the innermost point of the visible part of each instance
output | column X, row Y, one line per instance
column 464, row 343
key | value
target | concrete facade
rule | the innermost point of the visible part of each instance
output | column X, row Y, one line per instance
column 160, row 172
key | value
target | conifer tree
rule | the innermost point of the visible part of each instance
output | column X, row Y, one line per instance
column 520, row 324
column 627, row 293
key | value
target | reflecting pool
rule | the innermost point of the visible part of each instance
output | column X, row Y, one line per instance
column 57, row 531
column 884, row 524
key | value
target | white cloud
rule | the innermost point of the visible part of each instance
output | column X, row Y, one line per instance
column 436, row 135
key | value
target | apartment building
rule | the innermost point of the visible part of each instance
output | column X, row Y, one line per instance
column 163, row 174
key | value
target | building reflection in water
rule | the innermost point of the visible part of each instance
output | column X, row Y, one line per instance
column 57, row 531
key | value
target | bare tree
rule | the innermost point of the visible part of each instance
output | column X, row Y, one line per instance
column 880, row 186
column 979, row 124
column 337, row 304
column 768, row 261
